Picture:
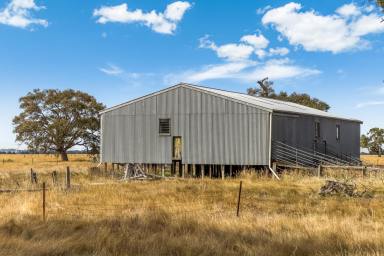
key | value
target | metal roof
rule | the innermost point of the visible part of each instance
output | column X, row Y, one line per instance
column 261, row 102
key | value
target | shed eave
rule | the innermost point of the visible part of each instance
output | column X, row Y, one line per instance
column 327, row 116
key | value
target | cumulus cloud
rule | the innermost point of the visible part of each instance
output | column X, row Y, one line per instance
column 257, row 41
column 249, row 60
column 348, row 10
column 249, row 45
column 18, row 13
column 341, row 31
column 164, row 23
column 282, row 51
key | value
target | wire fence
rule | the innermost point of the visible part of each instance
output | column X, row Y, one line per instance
column 216, row 202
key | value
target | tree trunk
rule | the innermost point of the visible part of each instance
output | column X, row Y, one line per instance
column 64, row 156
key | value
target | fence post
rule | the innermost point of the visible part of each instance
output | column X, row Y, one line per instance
column 319, row 170
column 238, row 199
column 68, row 178
column 44, row 201
column 364, row 171
column 54, row 178
column 32, row 176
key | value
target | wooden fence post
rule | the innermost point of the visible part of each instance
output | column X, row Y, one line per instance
column 319, row 171
column 238, row 199
column 68, row 178
column 44, row 201
column 364, row 171
column 54, row 178
column 32, row 176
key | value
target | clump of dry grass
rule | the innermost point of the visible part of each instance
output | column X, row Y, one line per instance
column 105, row 216
column 372, row 160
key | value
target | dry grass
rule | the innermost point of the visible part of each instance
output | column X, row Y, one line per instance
column 43, row 162
column 192, row 217
column 373, row 160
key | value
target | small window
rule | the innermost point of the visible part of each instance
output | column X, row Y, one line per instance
column 165, row 126
column 317, row 129
column 338, row 132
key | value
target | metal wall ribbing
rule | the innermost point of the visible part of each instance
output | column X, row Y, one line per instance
column 214, row 130
column 299, row 131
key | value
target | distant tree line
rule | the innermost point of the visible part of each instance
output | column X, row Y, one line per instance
column 265, row 89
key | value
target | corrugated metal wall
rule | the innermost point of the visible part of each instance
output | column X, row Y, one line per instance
column 214, row 130
column 299, row 131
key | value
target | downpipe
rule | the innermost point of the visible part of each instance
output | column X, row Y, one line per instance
column 273, row 172
column 270, row 148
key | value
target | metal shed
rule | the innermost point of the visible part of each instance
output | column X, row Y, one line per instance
column 194, row 125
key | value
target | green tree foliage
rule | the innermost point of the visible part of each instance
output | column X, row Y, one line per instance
column 380, row 3
column 54, row 120
column 373, row 141
column 265, row 89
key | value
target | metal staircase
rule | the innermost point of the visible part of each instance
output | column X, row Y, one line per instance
column 286, row 154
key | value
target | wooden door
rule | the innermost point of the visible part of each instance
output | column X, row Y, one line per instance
column 177, row 148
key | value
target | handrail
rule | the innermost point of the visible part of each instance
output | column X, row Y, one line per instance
column 314, row 152
column 298, row 156
column 316, row 155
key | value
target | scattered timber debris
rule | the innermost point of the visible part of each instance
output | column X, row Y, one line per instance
column 348, row 189
column 136, row 172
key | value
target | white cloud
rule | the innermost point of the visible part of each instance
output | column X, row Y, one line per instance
column 263, row 10
column 278, row 69
column 367, row 24
column 164, row 23
column 261, row 53
column 18, row 14
column 348, row 10
column 369, row 104
column 249, row 45
column 314, row 32
column 176, row 10
column 282, row 51
column 257, row 41
column 231, row 52
column 245, row 71
column 112, row 70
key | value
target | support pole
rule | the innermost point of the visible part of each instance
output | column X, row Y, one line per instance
column 202, row 170
column 193, row 170
column 319, row 170
column 222, row 172
column 184, row 170
column 210, row 171
column 230, row 171
column 44, row 201
column 162, row 170
column 238, row 199
column 105, row 167
column 68, row 178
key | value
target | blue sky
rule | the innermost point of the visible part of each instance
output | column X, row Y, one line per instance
column 117, row 50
